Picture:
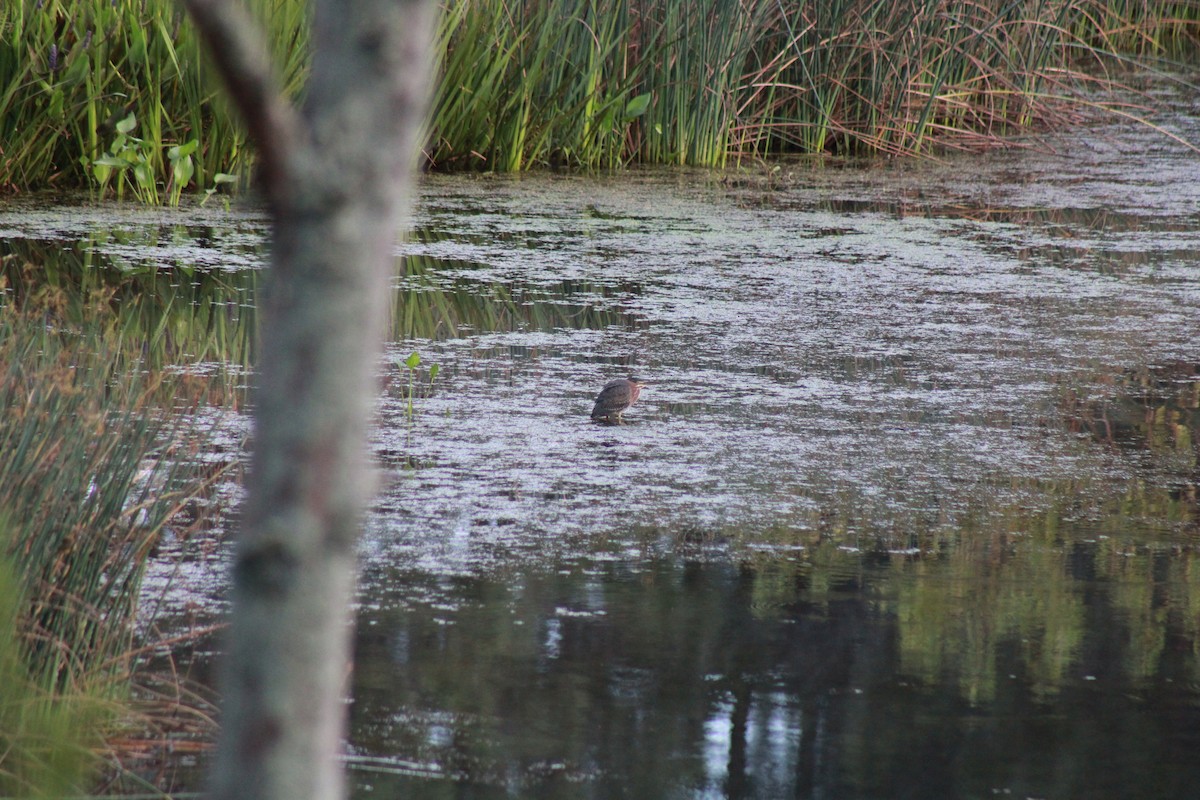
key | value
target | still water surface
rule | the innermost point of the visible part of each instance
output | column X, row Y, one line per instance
column 909, row 508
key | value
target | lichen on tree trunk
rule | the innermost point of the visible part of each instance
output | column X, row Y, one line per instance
column 336, row 176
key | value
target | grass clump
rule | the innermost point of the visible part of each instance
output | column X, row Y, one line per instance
column 528, row 82
column 114, row 93
column 599, row 83
column 88, row 480
column 48, row 735
column 91, row 475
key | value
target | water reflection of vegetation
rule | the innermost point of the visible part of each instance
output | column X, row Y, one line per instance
column 1040, row 598
column 174, row 314
column 961, row 599
column 609, row 671
column 1154, row 408
column 428, row 306
column 164, row 316
column 1005, row 606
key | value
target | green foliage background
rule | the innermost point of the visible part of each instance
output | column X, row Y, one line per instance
column 116, row 94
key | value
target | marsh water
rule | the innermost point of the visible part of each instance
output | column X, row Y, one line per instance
column 908, row 509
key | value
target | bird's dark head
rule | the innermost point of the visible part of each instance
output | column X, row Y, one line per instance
column 638, row 382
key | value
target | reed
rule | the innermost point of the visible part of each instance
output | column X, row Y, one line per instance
column 524, row 83
column 605, row 82
column 87, row 481
column 114, row 93
column 49, row 737
column 98, row 92
column 1138, row 27
column 93, row 470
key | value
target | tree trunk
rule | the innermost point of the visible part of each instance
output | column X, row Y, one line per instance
column 337, row 179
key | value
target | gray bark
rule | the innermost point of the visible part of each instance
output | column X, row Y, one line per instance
column 337, row 178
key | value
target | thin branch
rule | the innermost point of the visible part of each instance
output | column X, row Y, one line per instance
column 240, row 53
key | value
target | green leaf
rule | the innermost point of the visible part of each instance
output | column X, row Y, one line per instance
column 637, row 106
column 182, row 171
column 433, row 372
column 224, row 177
column 110, row 161
column 413, row 361
column 137, row 50
column 183, row 150
column 127, row 124
column 56, row 105
column 142, row 174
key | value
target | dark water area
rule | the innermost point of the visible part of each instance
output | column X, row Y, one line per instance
column 674, row 678
column 908, row 509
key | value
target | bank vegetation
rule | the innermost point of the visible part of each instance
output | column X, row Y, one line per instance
column 115, row 95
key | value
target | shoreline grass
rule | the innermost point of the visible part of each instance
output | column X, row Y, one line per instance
column 115, row 95
column 94, row 469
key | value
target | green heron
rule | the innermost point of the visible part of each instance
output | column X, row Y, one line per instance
column 615, row 397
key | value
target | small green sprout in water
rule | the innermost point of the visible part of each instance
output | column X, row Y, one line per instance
column 411, row 363
column 218, row 179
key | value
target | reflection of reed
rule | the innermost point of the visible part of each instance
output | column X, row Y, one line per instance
column 430, row 306
column 838, row 656
column 181, row 314
column 166, row 315
column 1024, row 579
column 1154, row 408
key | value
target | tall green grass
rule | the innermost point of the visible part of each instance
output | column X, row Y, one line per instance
column 93, row 470
column 901, row 77
column 49, row 737
column 115, row 93
column 523, row 88
column 698, row 81
column 86, row 85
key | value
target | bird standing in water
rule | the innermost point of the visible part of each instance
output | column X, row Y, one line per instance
column 615, row 397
